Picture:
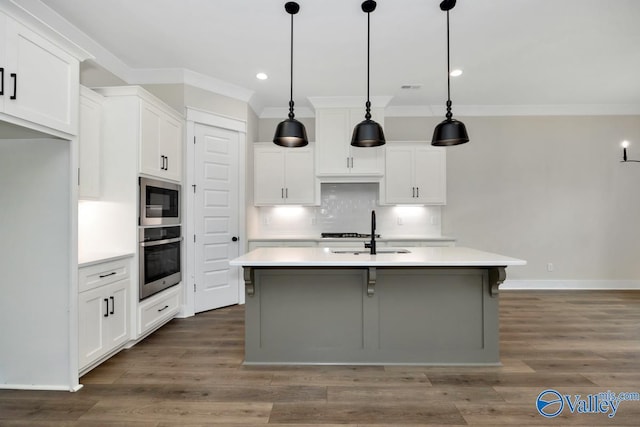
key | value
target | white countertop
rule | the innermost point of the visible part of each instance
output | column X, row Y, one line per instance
column 384, row 238
column 450, row 256
column 87, row 259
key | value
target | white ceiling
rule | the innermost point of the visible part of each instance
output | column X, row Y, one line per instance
column 513, row 52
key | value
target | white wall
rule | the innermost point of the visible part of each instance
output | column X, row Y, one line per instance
column 545, row 189
column 35, row 260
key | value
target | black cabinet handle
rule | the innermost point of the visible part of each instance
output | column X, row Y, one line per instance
column 166, row 166
column 163, row 308
column 418, row 192
column 14, row 76
column 102, row 276
column 234, row 239
column 1, row 80
column 113, row 305
column 106, row 304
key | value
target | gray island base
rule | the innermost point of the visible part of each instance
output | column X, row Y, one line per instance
column 386, row 311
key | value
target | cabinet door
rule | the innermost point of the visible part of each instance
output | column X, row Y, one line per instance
column 42, row 78
column 430, row 175
column 117, row 331
column 268, row 188
column 299, row 176
column 399, row 182
column 369, row 160
column 92, row 307
column 89, row 144
column 151, row 160
column 333, row 137
column 171, row 147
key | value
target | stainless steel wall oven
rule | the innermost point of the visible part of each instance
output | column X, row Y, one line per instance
column 159, row 254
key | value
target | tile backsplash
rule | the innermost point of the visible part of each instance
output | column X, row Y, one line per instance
column 347, row 208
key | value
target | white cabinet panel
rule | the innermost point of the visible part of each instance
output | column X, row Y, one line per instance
column 283, row 175
column 161, row 143
column 40, row 79
column 89, row 143
column 415, row 173
column 103, row 321
column 334, row 153
column 104, row 310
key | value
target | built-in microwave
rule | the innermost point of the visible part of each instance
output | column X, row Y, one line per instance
column 159, row 202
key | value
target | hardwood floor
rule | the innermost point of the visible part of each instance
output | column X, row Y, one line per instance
column 190, row 373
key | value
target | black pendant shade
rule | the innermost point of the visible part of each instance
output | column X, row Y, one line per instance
column 368, row 133
column 290, row 132
column 450, row 131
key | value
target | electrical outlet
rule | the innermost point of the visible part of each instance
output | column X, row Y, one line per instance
column 313, row 220
column 266, row 220
column 434, row 220
column 400, row 220
column 550, row 267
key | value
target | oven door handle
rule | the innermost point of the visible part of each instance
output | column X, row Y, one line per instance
column 160, row 242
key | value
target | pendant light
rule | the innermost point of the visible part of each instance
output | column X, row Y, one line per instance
column 450, row 131
column 368, row 133
column 291, row 132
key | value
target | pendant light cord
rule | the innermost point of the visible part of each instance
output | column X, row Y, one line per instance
column 291, row 114
column 449, row 115
column 367, row 116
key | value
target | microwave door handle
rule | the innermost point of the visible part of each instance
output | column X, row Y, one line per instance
column 160, row 242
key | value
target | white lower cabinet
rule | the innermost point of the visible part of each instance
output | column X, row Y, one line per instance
column 104, row 311
column 158, row 309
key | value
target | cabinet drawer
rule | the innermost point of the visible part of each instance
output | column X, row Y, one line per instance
column 101, row 274
column 159, row 309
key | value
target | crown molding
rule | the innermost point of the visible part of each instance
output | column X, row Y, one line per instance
column 188, row 77
column 282, row 112
column 348, row 101
column 515, row 110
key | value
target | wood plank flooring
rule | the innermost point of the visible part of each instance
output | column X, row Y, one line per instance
column 190, row 373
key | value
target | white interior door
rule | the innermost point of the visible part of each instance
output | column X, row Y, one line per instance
column 216, row 209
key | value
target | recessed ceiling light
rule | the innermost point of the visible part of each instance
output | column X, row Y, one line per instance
column 261, row 76
column 457, row 72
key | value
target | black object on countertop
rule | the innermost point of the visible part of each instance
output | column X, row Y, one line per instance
column 347, row 235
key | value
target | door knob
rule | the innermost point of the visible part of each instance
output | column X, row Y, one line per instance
column 234, row 239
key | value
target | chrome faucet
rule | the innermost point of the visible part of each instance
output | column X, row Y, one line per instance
column 372, row 243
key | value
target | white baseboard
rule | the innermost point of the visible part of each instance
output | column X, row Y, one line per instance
column 562, row 285
column 39, row 387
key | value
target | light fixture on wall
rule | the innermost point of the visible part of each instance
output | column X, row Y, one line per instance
column 291, row 132
column 450, row 131
column 625, row 145
column 368, row 133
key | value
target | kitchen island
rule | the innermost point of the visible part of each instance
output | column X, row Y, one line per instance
column 427, row 305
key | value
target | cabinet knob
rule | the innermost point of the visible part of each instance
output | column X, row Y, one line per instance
column 234, row 239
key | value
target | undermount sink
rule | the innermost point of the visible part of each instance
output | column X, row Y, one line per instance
column 366, row 251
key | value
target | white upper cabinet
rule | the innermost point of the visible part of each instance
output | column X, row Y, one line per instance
column 283, row 175
column 90, row 143
column 39, row 80
column 415, row 174
column 161, row 143
column 334, row 154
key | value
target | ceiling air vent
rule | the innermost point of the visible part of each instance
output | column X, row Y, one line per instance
column 411, row 87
